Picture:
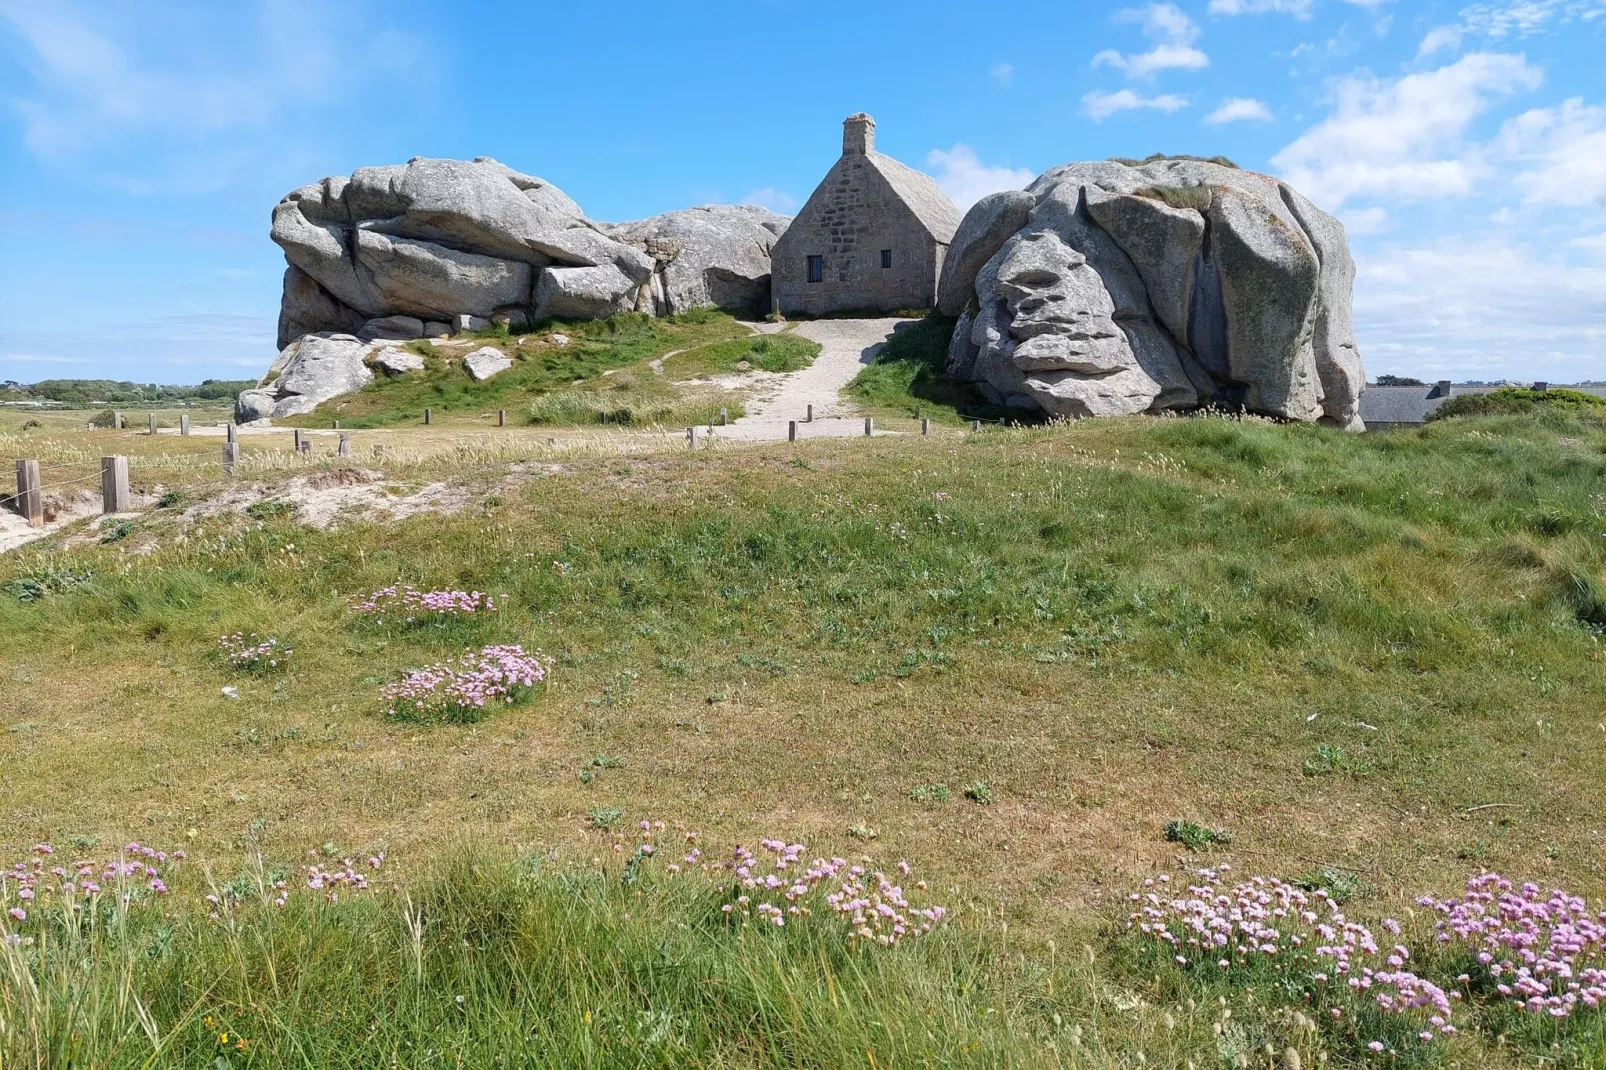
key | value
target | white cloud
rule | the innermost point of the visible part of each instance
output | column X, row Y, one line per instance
column 1480, row 306
column 1439, row 39
column 1560, row 154
column 1593, row 243
column 1174, row 33
column 1100, row 106
column 1158, row 58
column 1403, row 138
column 1004, row 73
column 1240, row 109
column 154, row 87
column 1524, row 18
column 773, row 199
column 1364, row 220
column 1300, row 9
column 962, row 175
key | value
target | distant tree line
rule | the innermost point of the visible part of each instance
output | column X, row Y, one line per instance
column 83, row 393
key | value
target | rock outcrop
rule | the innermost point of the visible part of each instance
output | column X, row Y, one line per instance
column 309, row 371
column 716, row 254
column 439, row 242
column 1105, row 289
column 486, row 362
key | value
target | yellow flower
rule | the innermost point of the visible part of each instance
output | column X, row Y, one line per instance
column 588, row 1017
column 222, row 1038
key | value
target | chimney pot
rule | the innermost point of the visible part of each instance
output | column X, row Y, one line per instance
column 858, row 135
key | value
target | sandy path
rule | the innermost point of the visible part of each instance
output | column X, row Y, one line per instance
column 846, row 346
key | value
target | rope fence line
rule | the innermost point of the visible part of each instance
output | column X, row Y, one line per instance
column 113, row 473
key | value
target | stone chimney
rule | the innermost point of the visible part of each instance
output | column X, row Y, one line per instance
column 858, row 135
column 1542, row 387
column 1441, row 389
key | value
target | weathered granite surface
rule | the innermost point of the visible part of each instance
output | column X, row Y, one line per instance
column 1105, row 289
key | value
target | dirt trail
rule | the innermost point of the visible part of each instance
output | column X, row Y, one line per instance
column 846, row 346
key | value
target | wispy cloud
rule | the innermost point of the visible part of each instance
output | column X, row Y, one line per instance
column 1480, row 304
column 1173, row 33
column 1003, row 74
column 962, row 175
column 1439, row 39
column 1240, row 109
column 1099, row 106
column 1300, row 9
column 773, row 199
column 162, row 84
column 1404, row 138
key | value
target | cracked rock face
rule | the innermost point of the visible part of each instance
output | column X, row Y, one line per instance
column 715, row 254
column 1104, row 289
column 405, row 251
column 310, row 371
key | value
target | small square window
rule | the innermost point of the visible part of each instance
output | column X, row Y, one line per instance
column 886, row 258
column 816, row 269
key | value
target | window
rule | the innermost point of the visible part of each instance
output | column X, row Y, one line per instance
column 816, row 269
column 886, row 258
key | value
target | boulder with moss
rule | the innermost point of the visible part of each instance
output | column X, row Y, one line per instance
column 1125, row 286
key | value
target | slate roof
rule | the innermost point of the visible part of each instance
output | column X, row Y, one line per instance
column 923, row 196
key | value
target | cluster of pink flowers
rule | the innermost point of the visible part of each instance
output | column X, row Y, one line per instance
column 43, row 881
column 458, row 692
column 411, row 606
column 1264, row 922
column 775, row 886
column 332, row 881
column 1545, row 952
column 252, row 653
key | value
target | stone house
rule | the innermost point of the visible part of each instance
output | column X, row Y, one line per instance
column 871, row 238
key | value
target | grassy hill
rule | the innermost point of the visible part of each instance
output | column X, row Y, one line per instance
column 564, row 374
column 1043, row 665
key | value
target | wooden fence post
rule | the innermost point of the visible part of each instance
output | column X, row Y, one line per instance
column 233, row 432
column 184, row 425
column 153, row 423
column 925, row 425
column 231, row 457
column 724, row 416
column 869, row 426
column 117, row 420
column 30, row 498
column 791, row 430
column 428, row 415
column 691, row 437
column 336, row 425
column 345, row 445
column 501, row 417
column 113, row 485
column 810, row 417
column 296, row 440
column 975, row 425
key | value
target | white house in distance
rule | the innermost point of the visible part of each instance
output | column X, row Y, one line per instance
column 871, row 238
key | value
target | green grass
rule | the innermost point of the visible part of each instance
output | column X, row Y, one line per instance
column 769, row 353
column 906, row 378
column 540, row 367
column 1374, row 655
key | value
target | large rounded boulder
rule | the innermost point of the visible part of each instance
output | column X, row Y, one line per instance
column 713, row 255
column 1107, row 288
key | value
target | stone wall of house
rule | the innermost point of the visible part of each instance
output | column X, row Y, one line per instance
column 852, row 217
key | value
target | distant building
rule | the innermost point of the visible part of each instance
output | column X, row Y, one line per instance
column 1409, row 406
column 872, row 237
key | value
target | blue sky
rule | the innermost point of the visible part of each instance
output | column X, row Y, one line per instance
column 143, row 145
